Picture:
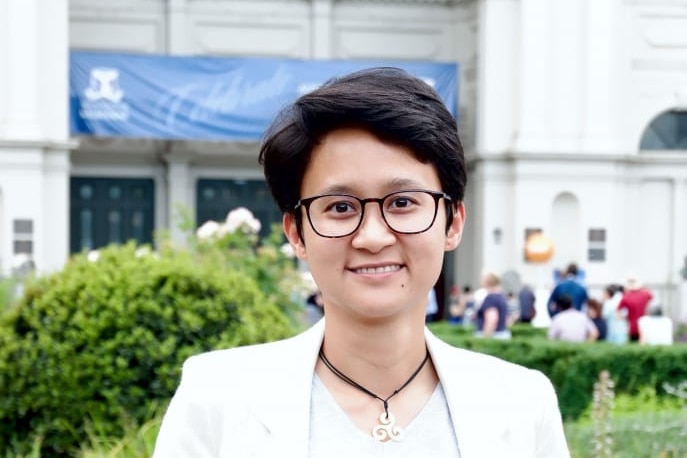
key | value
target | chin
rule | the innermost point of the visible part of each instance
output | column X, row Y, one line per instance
column 380, row 311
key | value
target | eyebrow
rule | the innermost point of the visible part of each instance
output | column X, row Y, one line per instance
column 396, row 184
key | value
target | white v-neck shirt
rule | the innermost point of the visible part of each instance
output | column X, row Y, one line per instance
column 333, row 434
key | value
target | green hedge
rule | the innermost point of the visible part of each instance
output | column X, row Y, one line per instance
column 103, row 339
column 573, row 368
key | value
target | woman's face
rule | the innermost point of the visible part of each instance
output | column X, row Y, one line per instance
column 374, row 272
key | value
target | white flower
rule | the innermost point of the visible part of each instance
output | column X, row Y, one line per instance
column 287, row 250
column 208, row 230
column 241, row 218
column 93, row 255
column 142, row 251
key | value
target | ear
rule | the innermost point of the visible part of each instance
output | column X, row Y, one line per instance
column 291, row 232
column 455, row 230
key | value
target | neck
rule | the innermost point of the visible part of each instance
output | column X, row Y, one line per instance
column 364, row 351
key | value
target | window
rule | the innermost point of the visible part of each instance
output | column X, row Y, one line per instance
column 110, row 210
column 216, row 198
column 23, row 236
column 597, row 245
column 667, row 131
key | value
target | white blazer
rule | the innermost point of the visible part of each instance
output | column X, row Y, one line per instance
column 255, row 402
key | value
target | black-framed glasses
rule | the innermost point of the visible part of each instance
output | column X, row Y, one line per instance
column 405, row 212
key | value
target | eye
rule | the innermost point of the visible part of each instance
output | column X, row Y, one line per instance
column 403, row 202
column 400, row 202
column 339, row 206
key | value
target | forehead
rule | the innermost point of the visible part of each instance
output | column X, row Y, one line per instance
column 353, row 160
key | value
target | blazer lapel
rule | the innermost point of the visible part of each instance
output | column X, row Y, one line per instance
column 469, row 414
column 283, row 407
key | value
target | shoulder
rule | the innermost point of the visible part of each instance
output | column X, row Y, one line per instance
column 494, row 299
column 250, row 365
column 482, row 370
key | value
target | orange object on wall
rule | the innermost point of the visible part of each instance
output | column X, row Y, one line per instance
column 538, row 248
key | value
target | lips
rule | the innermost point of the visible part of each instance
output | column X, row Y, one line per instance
column 370, row 270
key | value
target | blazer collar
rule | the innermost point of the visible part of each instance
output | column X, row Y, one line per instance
column 285, row 412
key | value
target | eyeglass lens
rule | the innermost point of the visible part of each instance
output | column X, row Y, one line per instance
column 404, row 212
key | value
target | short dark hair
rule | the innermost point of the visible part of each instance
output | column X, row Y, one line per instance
column 390, row 103
column 564, row 302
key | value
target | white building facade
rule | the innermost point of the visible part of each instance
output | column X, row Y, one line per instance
column 556, row 105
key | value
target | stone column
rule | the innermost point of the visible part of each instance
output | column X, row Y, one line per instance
column 34, row 135
column 496, row 85
column 599, row 74
column 178, row 192
column 321, row 29
column 534, row 109
column 176, row 27
column 19, row 41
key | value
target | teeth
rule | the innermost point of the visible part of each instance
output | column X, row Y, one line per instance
column 378, row 270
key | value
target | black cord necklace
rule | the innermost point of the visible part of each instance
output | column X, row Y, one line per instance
column 386, row 429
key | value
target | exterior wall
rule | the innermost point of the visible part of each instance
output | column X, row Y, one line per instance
column 434, row 30
column 563, row 102
column 34, row 141
column 554, row 98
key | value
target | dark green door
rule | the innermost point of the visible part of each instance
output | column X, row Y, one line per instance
column 215, row 198
column 110, row 210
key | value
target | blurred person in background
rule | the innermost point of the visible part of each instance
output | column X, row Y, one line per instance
column 594, row 313
column 432, row 310
column 513, row 309
column 569, row 286
column 314, row 307
column 467, row 305
column 492, row 314
column 635, row 301
column 616, row 320
column 570, row 324
column 527, row 302
column 655, row 328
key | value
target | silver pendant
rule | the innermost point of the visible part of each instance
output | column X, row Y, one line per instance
column 387, row 429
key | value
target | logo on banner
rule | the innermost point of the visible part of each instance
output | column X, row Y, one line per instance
column 103, row 96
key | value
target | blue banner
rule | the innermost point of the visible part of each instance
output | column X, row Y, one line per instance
column 206, row 98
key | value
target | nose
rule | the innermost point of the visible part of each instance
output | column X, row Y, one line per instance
column 373, row 234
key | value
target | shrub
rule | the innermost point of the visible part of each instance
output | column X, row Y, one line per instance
column 104, row 339
column 6, row 292
column 574, row 367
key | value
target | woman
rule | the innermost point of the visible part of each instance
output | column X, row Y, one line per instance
column 369, row 172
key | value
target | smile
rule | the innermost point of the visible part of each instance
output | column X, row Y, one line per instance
column 378, row 270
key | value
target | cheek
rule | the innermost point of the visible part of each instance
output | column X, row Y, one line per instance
column 322, row 253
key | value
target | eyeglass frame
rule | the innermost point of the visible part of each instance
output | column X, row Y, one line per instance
column 305, row 203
